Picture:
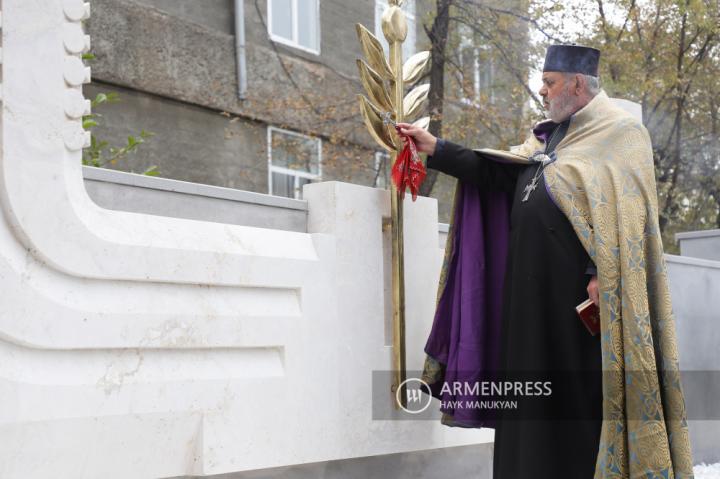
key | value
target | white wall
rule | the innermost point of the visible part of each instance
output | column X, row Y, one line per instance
column 134, row 345
column 138, row 345
column 694, row 285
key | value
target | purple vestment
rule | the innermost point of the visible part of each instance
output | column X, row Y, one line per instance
column 466, row 330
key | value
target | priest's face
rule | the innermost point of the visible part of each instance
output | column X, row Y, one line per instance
column 557, row 94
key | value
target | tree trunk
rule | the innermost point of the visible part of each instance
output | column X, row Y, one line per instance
column 438, row 35
column 671, row 205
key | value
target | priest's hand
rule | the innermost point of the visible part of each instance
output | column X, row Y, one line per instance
column 424, row 140
column 592, row 290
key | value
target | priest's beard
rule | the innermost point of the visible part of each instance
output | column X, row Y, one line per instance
column 561, row 107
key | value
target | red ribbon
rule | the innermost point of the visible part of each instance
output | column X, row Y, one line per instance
column 408, row 170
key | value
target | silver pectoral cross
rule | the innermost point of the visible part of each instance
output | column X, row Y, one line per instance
column 529, row 188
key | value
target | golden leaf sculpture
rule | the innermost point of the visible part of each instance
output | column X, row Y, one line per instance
column 423, row 122
column 375, row 124
column 373, row 52
column 413, row 100
column 374, row 86
column 414, row 66
column 384, row 81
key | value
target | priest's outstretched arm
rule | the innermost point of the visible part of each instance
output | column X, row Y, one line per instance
column 469, row 166
column 463, row 163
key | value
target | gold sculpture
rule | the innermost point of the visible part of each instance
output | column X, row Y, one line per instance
column 384, row 81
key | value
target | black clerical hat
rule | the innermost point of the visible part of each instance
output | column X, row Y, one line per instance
column 572, row 59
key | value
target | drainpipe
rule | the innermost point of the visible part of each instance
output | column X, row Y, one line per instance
column 240, row 48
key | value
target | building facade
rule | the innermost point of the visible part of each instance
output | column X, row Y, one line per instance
column 256, row 94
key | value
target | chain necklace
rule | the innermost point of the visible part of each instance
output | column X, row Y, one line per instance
column 544, row 160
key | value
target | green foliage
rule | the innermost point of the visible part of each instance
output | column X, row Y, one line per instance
column 101, row 153
column 152, row 171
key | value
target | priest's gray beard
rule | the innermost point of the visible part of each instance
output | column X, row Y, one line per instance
column 562, row 106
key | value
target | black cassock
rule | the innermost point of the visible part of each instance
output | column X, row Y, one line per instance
column 547, row 274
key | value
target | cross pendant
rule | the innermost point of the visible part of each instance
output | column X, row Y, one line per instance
column 529, row 189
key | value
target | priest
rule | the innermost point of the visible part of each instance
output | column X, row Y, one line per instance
column 570, row 214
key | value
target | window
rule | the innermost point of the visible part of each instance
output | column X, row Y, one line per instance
column 295, row 23
column 293, row 160
column 477, row 69
column 381, row 170
column 409, row 9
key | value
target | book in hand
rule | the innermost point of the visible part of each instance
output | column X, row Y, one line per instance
column 590, row 315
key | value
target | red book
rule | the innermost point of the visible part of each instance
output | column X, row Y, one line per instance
column 590, row 315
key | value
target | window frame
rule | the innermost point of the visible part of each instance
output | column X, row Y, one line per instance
column 294, row 42
column 289, row 171
column 467, row 43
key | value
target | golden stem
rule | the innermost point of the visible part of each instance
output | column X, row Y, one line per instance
column 398, row 273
